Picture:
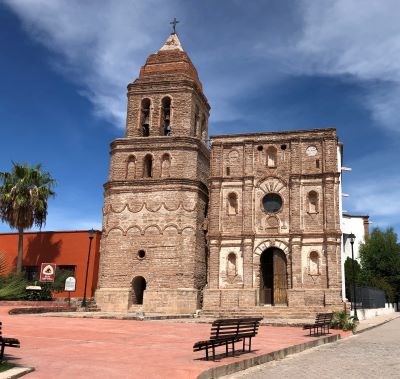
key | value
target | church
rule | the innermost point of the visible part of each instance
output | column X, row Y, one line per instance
column 229, row 224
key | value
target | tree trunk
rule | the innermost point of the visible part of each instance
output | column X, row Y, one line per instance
column 20, row 249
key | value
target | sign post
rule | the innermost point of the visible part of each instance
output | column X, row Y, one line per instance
column 70, row 285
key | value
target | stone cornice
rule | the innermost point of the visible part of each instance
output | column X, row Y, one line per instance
column 159, row 143
column 150, row 185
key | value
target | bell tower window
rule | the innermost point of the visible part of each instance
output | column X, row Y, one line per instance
column 203, row 128
column 196, row 122
column 145, row 117
column 166, row 116
column 148, row 166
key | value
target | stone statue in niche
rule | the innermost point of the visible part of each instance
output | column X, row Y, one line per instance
column 231, row 268
column 312, row 202
column 131, row 168
column 232, row 204
column 165, row 166
column 313, row 263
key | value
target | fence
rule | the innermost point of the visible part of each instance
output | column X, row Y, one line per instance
column 369, row 297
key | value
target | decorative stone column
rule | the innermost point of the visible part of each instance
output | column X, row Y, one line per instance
column 248, row 263
column 214, row 265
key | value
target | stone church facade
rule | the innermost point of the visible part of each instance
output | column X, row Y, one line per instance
column 250, row 222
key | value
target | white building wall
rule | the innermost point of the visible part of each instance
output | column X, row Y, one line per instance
column 355, row 225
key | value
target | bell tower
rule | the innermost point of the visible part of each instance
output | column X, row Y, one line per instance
column 153, row 248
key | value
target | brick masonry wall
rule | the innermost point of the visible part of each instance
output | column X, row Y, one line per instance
column 305, row 161
column 154, row 219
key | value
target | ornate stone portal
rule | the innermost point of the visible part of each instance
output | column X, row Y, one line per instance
column 270, row 202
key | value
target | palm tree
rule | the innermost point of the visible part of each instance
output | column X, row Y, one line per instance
column 23, row 199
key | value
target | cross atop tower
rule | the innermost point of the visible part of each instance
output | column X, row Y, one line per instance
column 173, row 23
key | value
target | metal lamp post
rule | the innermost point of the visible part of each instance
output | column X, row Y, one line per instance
column 91, row 235
column 352, row 238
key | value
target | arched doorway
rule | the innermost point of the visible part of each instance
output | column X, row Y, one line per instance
column 138, row 286
column 273, row 277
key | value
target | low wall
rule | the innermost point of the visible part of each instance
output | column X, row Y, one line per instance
column 366, row 314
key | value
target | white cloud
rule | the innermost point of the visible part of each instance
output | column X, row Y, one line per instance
column 374, row 188
column 101, row 44
column 360, row 39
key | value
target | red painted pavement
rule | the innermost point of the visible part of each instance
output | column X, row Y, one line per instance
column 93, row 348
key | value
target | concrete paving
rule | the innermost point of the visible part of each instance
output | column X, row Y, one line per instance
column 374, row 354
column 65, row 347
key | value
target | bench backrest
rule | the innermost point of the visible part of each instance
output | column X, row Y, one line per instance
column 324, row 318
column 234, row 327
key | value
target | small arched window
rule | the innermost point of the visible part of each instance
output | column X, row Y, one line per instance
column 313, row 202
column 130, row 167
column 271, row 157
column 313, row 263
column 148, row 166
column 196, row 122
column 232, row 204
column 145, row 117
column 203, row 128
column 165, row 165
column 166, row 116
column 231, row 266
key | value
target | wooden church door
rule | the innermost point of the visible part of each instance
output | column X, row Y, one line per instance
column 273, row 277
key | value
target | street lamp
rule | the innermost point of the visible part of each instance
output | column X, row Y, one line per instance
column 91, row 235
column 352, row 238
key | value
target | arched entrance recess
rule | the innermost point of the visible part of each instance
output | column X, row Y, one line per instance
column 138, row 287
column 273, row 277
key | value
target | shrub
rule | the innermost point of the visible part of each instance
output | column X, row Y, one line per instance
column 342, row 320
column 12, row 287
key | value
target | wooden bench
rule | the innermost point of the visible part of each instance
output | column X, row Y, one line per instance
column 226, row 332
column 6, row 341
column 321, row 324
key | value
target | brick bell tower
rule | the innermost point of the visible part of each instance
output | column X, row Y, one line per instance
column 153, row 248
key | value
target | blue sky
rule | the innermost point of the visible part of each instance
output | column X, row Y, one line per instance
column 265, row 65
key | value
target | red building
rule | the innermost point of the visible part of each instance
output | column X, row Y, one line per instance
column 67, row 249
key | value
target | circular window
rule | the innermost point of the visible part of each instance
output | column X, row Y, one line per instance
column 141, row 254
column 272, row 202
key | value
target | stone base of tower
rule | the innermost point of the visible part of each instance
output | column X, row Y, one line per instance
column 167, row 301
column 248, row 299
column 171, row 301
column 114, row 299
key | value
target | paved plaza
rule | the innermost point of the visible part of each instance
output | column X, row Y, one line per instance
column 80, row 347
column 373, row 354
column 65, row 347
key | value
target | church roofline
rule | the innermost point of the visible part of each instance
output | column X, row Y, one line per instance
column 274, row 133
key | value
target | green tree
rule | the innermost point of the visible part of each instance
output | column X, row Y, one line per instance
column 24, row 193
column 348, row 274
column 380, row 261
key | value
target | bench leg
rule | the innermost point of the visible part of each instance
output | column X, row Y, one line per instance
column 2, row 351
column 213, row 349
column 249, row 344
column 233, row 348
column 207, row 352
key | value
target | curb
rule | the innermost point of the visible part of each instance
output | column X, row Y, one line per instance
column 217, row 372
column 16, row 372
column 376, row 325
